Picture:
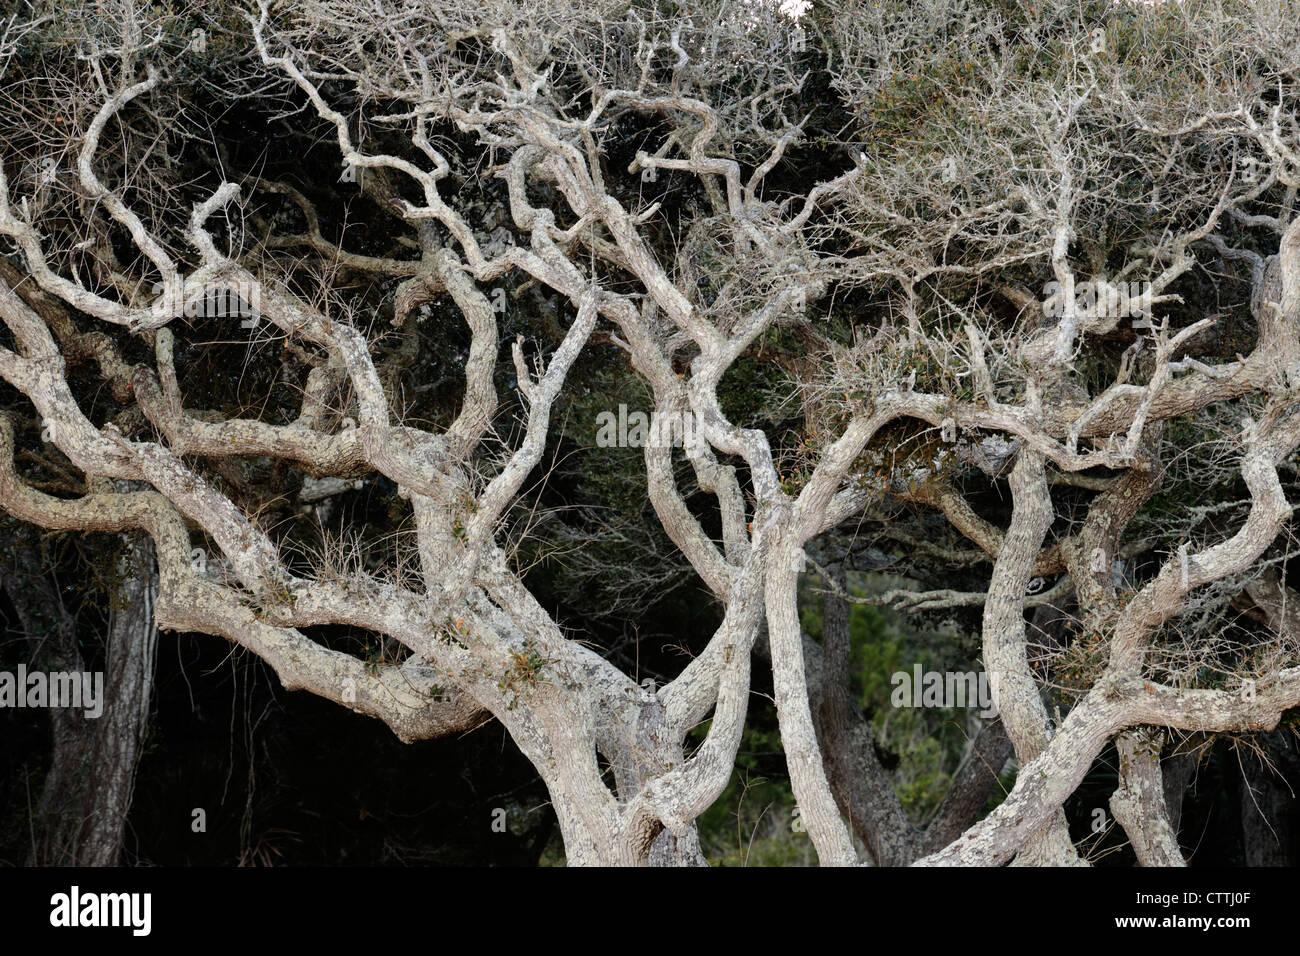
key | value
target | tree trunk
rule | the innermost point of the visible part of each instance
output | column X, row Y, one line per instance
column 1266, row 808
column 128, row 684
column 81, row 815
column 1139, row 803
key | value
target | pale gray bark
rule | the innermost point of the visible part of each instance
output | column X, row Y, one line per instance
column 468, row 623
column 1006, row 657
column 1139, row 802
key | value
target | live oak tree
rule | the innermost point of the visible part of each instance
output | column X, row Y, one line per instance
column 1032, row 267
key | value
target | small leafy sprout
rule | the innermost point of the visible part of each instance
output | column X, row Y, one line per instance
column 522, row 671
